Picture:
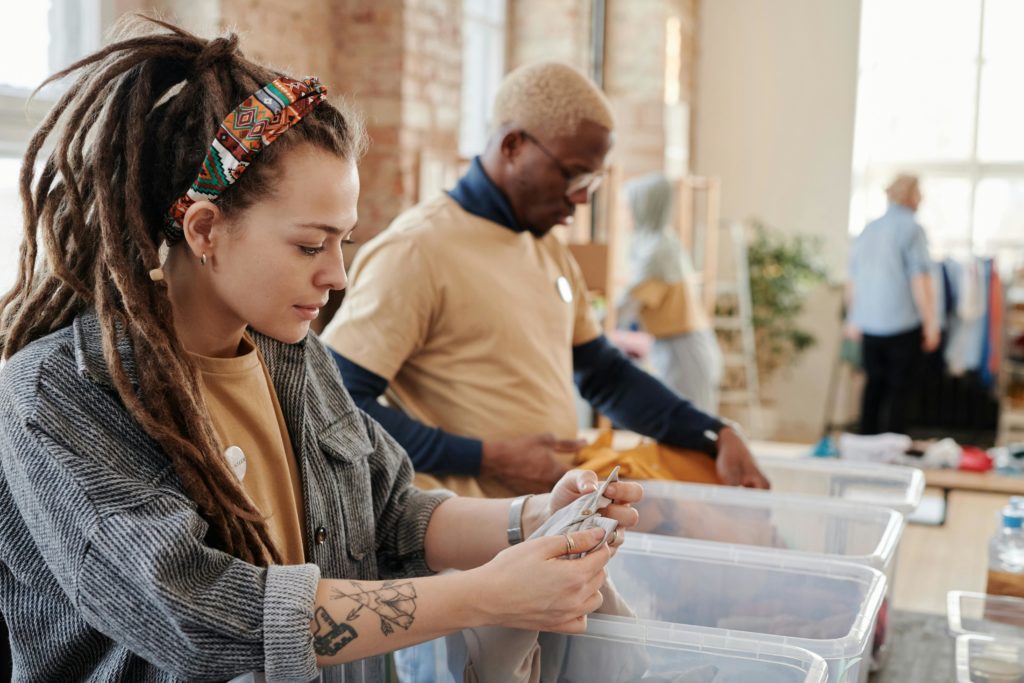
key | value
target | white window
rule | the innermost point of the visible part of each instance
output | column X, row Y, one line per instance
column 483, row 66
column 36, row 39
column 939, row 96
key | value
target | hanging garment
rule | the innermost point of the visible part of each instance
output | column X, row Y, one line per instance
column 967, row 338
column 939, row 304
column 986, row 331
column 995, row 327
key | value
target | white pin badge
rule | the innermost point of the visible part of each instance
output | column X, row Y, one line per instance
column 564, row 289
column 236, row 460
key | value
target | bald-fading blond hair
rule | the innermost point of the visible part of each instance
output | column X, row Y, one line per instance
column 550, row 99
column 902, row 188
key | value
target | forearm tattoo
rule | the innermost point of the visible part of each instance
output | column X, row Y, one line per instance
column 330, row 637
column 394, row 603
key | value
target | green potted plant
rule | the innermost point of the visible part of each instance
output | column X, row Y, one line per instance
column 783, row 269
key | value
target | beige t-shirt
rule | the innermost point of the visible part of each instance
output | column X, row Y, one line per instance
column 246, row 413
column 668, row 310
column 466, row 320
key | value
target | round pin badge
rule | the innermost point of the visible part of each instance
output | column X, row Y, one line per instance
column 564, row 289
column 236, row 460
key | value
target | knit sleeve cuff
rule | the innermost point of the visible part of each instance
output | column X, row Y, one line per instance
column 287, row 611
column 412, row 536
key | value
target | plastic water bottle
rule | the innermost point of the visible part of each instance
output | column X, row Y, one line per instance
column 1006, row 556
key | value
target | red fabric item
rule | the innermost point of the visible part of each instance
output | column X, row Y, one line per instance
column 995, row 321
column 974, row 459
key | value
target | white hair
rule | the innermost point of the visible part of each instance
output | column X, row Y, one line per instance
column 550, row 99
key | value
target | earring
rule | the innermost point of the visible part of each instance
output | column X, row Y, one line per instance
column 202, row 259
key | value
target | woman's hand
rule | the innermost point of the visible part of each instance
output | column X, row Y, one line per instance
column 576, row 483
column 530, row 586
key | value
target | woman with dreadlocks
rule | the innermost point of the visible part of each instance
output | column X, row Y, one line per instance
column 186, row 490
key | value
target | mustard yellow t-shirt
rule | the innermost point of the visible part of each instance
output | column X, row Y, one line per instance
column 468, row 322
column 668, row 309
column 246, row 413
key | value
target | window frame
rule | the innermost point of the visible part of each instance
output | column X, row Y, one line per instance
column 971, row 169
column 476, row 106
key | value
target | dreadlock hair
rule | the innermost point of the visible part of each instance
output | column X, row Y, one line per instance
column 130, row 135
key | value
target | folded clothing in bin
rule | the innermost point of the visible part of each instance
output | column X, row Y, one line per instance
column 507, row 655
column 835, row 626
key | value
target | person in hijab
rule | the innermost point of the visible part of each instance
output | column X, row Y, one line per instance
column 685, row 353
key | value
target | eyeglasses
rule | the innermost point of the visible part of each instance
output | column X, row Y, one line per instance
column 588, row 181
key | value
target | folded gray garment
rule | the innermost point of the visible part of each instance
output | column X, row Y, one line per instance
column 582, row 514
column 496, row 654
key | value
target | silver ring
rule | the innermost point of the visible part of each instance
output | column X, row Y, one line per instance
column 614, row 538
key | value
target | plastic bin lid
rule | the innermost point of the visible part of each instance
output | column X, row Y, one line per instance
column 778, row 660
column 892, row 486
column 857, row 532
column 990, row 615
column 760, row 563
column 981, row 659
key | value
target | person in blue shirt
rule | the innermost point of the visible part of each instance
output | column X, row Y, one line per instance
column 473, row 316
column 890, row 298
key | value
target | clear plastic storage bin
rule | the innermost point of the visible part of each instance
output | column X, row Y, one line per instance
column 989, row 615
column 856, row 532
column 891, row 486
column 615, row 650
column 980, row 659
column 823, row 605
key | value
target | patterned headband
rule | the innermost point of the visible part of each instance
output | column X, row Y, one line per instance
column 262, row 118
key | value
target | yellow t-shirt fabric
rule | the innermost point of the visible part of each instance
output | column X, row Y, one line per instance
column 466, row 321
column 245, row 412
column 668, row 310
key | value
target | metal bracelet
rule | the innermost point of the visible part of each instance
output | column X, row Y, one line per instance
column 515, row 519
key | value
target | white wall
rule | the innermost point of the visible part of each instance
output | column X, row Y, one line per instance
column 774, row 119
column 774, row 115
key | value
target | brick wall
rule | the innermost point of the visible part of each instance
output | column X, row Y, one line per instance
column 542, row 30
column 635, row 64
column 399, row 61
column 431, row 89
column 639, row 60
column 366, row 38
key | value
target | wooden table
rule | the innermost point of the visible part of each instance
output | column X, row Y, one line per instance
column 934, row 560
column 986, row 482
column 946, row 480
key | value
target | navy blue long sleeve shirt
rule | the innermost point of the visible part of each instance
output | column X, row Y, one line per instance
column 608, row 380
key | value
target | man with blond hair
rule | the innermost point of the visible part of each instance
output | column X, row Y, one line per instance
column 474, row 317
column 891, row 303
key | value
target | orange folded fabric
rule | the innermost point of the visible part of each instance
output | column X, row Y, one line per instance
column 648, row 460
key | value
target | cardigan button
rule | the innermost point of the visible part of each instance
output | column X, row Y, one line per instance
column 320, row 536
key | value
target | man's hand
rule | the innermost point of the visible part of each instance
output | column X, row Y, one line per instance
column 932, row 338
column 735, row 464
column 527, row 464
